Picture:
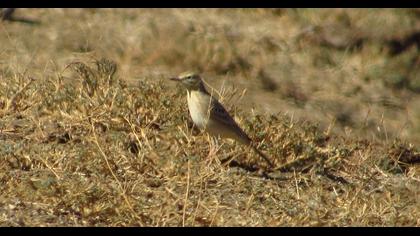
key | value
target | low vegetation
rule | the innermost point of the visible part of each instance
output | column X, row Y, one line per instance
column 93, row 134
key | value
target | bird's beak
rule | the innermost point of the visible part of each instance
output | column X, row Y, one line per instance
column 175, row 79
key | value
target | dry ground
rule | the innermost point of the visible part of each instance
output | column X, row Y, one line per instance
column 91, row 132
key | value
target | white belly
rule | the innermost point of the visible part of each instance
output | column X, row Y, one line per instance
column 198, row 105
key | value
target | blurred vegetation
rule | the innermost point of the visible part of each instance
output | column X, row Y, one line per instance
column 93, row 133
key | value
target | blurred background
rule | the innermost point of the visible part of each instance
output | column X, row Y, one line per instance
column 355, row 72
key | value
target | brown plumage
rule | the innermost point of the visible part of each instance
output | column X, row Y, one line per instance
column 208, row 114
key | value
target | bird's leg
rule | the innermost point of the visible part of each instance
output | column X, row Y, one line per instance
column 213, row 149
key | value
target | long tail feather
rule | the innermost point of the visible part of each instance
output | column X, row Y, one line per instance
column 263, row 155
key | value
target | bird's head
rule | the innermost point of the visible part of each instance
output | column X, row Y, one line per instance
column 191, row 80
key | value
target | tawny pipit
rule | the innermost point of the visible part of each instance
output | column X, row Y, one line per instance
column 209, row 115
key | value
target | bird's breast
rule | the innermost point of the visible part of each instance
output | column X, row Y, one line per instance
column 199, row 105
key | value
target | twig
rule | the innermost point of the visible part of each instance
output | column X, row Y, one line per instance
column 215, row 214
column 296, row 183
column 186, row 195
column 115, row 177
column 50, row 168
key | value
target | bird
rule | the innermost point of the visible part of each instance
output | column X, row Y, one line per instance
column 208, row 113
column 6, row 13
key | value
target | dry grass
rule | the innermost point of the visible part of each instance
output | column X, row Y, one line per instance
column 92, row 134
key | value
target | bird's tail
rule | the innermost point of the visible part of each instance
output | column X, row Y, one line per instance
column 263, row 155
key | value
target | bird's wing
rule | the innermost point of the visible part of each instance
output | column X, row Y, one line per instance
column 219, row 113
